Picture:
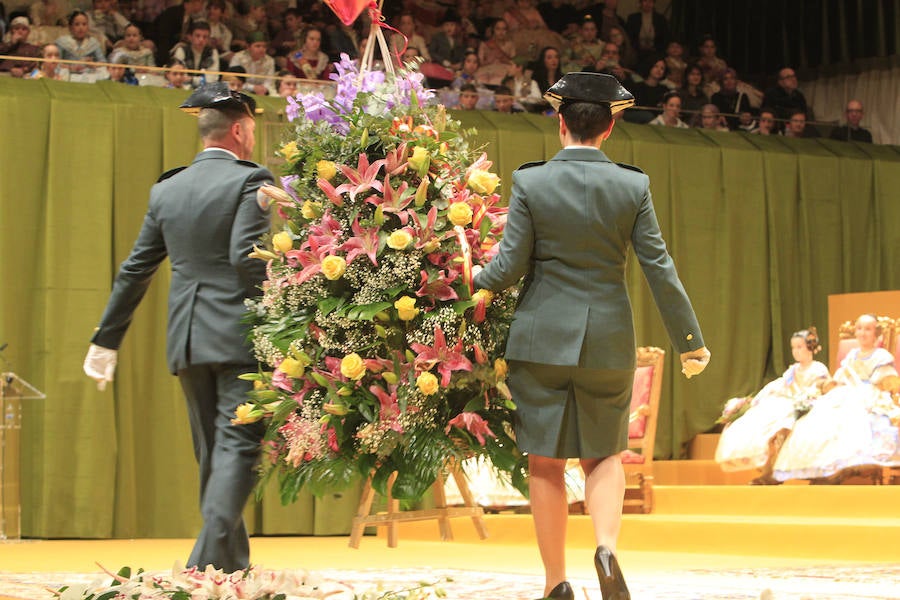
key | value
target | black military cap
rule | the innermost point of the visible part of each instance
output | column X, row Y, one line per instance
column 597, row 88
column 218, row 95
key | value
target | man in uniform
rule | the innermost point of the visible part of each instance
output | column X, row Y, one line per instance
column 205, row 218
column 571, row 343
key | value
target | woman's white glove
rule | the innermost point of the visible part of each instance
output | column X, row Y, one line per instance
column 693, row 362
column 100, row 364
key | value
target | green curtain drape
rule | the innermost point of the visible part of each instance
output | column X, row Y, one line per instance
column 761, row 229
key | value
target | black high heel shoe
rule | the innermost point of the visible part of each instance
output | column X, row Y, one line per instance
column 612, row 582
column 563, row 591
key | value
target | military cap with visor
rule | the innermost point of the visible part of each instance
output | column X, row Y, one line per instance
column 596, row 88
column 219, row 96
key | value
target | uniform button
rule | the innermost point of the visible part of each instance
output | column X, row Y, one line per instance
column 690, row 336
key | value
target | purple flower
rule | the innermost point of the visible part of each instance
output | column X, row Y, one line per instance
column 315, row 107
column 293, row 109
column 287, row 183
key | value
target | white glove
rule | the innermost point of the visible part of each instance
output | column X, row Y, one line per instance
column 693, row 362
column 476, row 269
column 100, row 364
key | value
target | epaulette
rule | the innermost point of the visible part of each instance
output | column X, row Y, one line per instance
column 170, row 173
column 630, row 167
column 247, row 163
column 528, row 165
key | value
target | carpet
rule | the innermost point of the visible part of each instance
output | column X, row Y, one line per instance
column 807, row 583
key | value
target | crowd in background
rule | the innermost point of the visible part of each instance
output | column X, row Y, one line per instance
column 495, row 55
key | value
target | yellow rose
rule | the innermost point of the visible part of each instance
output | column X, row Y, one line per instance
column 311, row 210
column 431, row 245
column 500, row 368
column 487, row 295
column 353, row 367
column 483, row 182
column 326, row 169
column 290, row 152
column 399, row 240
column 282, row 241
column 246, row 414
column 406, row 308
column 427, row 383
column 460, row 213
column 292, row 367
column 420, row 160
column 333, row 267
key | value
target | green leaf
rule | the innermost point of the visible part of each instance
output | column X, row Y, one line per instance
column 330, row 304
column 365, row 312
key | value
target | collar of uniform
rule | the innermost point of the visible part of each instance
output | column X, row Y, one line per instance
column 215, row 153
column 581, row 153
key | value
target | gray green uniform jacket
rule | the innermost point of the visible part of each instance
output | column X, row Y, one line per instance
column 206, row 219
column 570, row 223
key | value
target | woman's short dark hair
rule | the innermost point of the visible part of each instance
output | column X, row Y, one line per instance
column 586, row 120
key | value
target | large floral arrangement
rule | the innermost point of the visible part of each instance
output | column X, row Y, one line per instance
column 378, row 356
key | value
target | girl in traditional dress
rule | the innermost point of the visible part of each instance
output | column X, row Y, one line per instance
column 752, row 441
column 79, row 44
column 496, row 54
column 854, row 423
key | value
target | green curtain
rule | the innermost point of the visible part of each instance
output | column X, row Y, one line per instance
column 761, row 229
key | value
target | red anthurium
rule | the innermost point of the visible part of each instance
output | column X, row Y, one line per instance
column 473, row 423
column 441, row 355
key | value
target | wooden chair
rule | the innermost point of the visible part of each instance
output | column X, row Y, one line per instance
column 847, row 339
column 642, row 429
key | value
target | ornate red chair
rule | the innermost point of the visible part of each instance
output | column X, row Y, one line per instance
column 638, row 459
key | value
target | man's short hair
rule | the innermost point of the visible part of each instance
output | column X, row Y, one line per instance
column 199, row 24
column 214, row 123
column 585, row 120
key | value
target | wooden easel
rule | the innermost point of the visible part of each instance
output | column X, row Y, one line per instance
column 441, row 511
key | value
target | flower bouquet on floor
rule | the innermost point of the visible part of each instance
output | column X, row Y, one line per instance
column 378, row 357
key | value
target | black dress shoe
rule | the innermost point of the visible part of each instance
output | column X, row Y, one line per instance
column 612, row 583
column 563, row 591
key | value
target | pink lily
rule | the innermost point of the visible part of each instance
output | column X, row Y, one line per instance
column 439, row 286
column 326, row 233
column 390, row 407
column 362, row 178
column 447, row 359
column 394, row 201
column 365, row 241
column 396, row 160
column 473, row 423
column 334, row 195
column 310, row 260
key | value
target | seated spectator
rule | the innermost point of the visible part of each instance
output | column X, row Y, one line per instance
column 287, row 85
column 546, row 69
column 709, row 62
column 171, row 27
column 253, row 20
column 176, row 76
column 649, row 93
column 287, row 40
column 46, row 13
column 107, row 22
column 747, row 122
column 785, row 98
column 496, row 54
column 132, row 51
column 671, row 114
column 524, row 88
column 609, row 64
column 504, row 101
column 197, row 54
column 676, row 64
column 50, row 69
column 560, row 16
column 16, row 44
column 79, row 45
column 527, row 28
column 693, row 98
column 470, row 25
column 797, row 128
column 586, row 48
column 468, row 72
column 256, row 61
column 407, row 26
column 219, row 34
column 627, row 54
column 342, row 39
column 309, row 62
column 729, row 99
column 767, row 124
column 121, row 74
column 648, row 31
column 709, row 118
column 468, row 97
column 235, row 77
column 446, row 46
column 852, row 131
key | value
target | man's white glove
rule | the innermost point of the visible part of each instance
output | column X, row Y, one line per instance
column 476, row 269
column 693, row 362
column 100, row 364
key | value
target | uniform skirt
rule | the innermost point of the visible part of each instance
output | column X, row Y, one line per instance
column 570, row 412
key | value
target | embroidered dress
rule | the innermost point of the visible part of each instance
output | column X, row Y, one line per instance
column 745, row 443
column 850, row 426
